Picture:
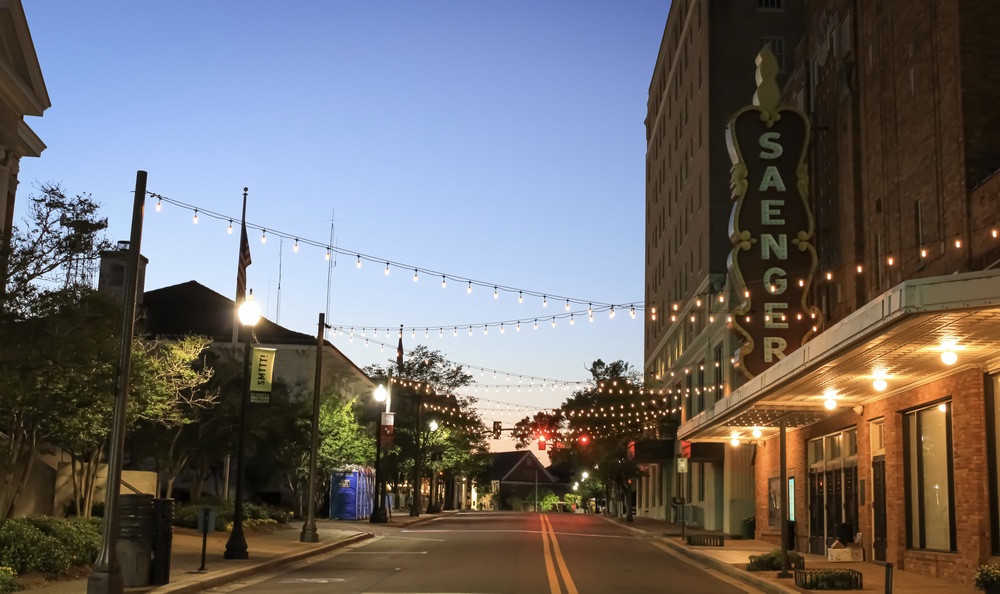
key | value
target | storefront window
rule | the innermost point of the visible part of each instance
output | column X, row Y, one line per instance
column 929, row 479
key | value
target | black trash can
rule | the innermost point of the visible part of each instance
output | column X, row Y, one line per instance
column 749, row 528
column 790, row 538
column 135, row 538
column 163, row 537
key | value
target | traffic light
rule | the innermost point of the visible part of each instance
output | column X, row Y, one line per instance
column 584, row 440
column 541, row 442
column 497, row 428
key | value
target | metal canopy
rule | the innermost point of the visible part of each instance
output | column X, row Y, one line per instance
column 902, row 333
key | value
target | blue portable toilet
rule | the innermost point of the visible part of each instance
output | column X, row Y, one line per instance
column 344, row 487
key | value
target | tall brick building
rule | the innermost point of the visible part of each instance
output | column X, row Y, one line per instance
column 891, row 417
column 703, row 73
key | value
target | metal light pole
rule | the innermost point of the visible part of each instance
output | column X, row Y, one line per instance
column 379, row 515
column 236, row 546
column 106, row 577
column 417, row 479
column 309, row 532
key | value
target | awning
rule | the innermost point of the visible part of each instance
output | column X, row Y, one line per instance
column 898, row 337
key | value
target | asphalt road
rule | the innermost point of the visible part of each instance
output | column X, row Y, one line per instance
column 499, row 552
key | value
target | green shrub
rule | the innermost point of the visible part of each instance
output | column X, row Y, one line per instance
column 186, row 516
column 772, row 561
column 26, row 548
column 80, row 537
column 8, row 580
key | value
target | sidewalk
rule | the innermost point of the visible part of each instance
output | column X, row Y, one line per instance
column 268, row 550
column 732, row 560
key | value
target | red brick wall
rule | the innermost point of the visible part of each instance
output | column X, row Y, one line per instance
column 971, row 475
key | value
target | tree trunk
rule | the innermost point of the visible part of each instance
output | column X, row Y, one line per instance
column 22, row 453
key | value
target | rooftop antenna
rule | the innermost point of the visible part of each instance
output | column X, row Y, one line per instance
column 329, row 270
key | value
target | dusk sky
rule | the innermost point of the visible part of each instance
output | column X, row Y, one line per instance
column 496, row 141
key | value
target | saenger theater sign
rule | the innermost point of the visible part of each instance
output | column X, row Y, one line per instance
column 773, row 260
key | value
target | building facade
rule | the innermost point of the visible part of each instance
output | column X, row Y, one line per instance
column 890, row 411
column 703, row 73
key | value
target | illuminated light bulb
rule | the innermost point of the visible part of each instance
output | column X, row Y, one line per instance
column 328, row 254
column 675, row 307
column 469, row 290
column 748, row 319
column 632, row 312
column 195, row 219
column 495, row 294
column 444, row 282
column 159, row 205
column 711, row 319
column 485, row 330
column 729, row 319
column 440, row 332
column 455, row 332
column 416, row 277
column 591, row 317
column 829, row 276
column 923, row 252
column 611, row 314
column 722, row 298
column 860, row 269
column 553, row 322
column 830, row 404
column 813, row 315
column 590, row 309
column 949, row 357
column 995, row 232
column 756, row 433
column 802, row 282
column 359, row 261
column 295, row 247
column 501, row 329
column 567, row 305
column 520, row 297
column 673, row 318
column 470, row 330
column 880, row 385
column 536, row 324
column 734, row 442
column 890, row 260
column 230, row 229
column 692, row 318
column 814, row 329
column 697, row 302
column 958, row 243
column 387, row 269
column 518, row 327
column 571, row 322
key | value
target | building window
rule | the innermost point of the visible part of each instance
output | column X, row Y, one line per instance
column 777, row 48
column 769, row 4
column 993, row 454
column 929, row 479
column 717, row 355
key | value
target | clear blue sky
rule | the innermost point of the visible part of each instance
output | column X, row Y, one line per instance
column 497, row 140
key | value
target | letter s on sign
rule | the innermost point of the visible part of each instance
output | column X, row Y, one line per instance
column 767, row 143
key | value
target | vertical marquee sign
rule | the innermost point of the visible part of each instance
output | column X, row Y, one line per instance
column 773, row 260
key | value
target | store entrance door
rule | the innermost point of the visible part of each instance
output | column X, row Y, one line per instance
column 817, row 534
column 880, row 536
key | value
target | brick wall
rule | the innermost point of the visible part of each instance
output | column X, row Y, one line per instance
column 971, row 475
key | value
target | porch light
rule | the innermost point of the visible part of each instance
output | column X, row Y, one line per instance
column 735, row 442
column 756, row 433
column 948, row 355
column 831, row 399
column 880, row 384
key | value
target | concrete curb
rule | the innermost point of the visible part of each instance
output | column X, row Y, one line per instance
column 746, row 577
column 213, row 579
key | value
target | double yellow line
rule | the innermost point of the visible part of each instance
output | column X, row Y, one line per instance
column 549, row 537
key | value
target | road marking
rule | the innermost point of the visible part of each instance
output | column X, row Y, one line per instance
column 386, row 552
column 550, row 570
column 313, row 581
column 567, row 578
column 416, row 538
column 714, row 573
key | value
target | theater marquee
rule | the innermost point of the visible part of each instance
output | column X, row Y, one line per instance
column 773, row 260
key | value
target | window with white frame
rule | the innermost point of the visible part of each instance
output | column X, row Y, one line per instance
column 929, row 478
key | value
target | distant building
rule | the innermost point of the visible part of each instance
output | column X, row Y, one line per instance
column 518, row 474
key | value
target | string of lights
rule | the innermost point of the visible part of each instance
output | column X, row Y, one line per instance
column 361, row 258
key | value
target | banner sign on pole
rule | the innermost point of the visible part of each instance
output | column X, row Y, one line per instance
column 261, row 373
column 387, row 430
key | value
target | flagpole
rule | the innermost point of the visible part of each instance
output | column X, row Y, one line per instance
column 240, row 298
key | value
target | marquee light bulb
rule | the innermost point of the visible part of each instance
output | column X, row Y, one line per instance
column 229, row 230
column 195, row 220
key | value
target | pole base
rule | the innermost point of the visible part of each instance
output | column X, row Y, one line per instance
column 784, row 574
column 379, row 517
column 309, row 534
column 236, row 546
column 105, row 581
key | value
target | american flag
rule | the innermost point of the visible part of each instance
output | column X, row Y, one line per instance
column 241, row 271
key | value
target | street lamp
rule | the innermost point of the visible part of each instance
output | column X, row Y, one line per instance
column 379, row 515
column 236, row 546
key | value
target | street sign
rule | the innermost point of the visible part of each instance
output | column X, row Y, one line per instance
column 682, row 465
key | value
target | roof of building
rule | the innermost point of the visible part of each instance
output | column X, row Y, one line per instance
column 504, row 463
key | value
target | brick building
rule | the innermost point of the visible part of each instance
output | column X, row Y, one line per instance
column 703, row 73
column 890, row 412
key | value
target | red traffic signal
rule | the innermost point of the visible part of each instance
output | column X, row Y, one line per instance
column 584, row 440
column 541, row 442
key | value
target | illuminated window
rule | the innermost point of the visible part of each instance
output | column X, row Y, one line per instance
column 929, row 479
